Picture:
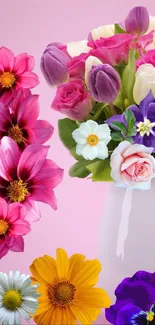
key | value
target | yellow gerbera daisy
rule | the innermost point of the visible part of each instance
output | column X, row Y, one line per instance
column 67, row 289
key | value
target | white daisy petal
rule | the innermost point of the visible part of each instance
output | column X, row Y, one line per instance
column 28, row 307
column 11, row 279
column 102, row 150
column 85, row 129
column 17, row 318
column 4, row 281
column 78, row 137
column 79, row 149
column 24, row 314
column 89, row 152
column 30, row 290
column 11, row 318
column 16, row 279
column 103, row 132
column 25, row 283
column 93, row 126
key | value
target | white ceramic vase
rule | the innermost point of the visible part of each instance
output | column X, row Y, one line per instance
column 127, row 235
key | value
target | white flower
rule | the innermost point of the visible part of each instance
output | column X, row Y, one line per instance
column 18, row 298
column 102, row 31
column 150, row 29
column 76, row 48
column 91, row 60
column 92, row 140
column 145, row 81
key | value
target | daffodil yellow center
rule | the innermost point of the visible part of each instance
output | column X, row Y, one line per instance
column 3, row 227
column 7, row 80
column 12, row 300
column 62, row 294
column 150, row 316
column 16, row 134
column 17, row 191
column 92, row 139
column 145, row 127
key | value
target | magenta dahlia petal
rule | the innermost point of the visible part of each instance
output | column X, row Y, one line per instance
column 28, row 111
column 6, row 59
column 3, row 209
column 45, row 195
column 30, row 62
column 31, row 161
column 16, row 211
column 28, row 80
column 23, row 62
column 42, row 130
column 50, row 175
column 9, row 158
column 20, row 227
column 3, row 251
column 18, row 244
column 5, row 117
column 33, row 211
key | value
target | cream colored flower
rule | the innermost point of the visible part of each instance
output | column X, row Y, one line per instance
column 92, row 60
column 76, row 48
column 145, row 81
column 102, row 31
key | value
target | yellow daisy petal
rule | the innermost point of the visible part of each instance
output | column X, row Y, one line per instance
column 76, row 262
column 68, row 317
column 93, row 313
column 38, row 319
column 62, row 263
column 93, row 297
column 89, row 273
column 81, row 314
column 44, row 269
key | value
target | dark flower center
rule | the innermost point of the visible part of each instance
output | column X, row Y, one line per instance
column 16, row 134
column 61, row 294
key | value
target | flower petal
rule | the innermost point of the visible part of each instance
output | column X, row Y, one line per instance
column 31, row 161
column 78, row 137
column 18, row 244
column 50, row 175
column 62, row 263
column 80, row 312
column 42, row 130
column 23, row 62
column 28, row 80
column 89, row 152
column 16, row 212
column 28, row 111
column 9, row 158
column 93, row 297
column 33, row 211
column 76, row 263
column 45, row 195
column 39, row 266
column 6, row 59
column 3, row 208
column 89, row 273
column 21, row 227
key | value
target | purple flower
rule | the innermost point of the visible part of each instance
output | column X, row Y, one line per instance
column 145, row 121
column 135, row 298
column 103, row 83
column 137, row 21
column 54, row 64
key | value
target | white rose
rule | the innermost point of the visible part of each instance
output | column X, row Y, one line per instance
column 102, row 31
column 92, row 60
column 76, row 48
column 145, row 81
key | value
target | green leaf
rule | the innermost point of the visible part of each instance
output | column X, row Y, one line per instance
column 132, row 132
column 66, row 127
column 120, row 126
column 116, row 136
column 128, row 78
column 129, row 139
column 101, row 171
column 74, row 154
column 119, row 29
column 130, row 119
column 119, row 101
column 79, row 169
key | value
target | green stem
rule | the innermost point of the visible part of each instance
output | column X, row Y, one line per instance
column 98, row 113
column 112, row 109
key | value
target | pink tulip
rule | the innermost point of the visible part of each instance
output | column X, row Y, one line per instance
column 28, row 177
column 15, row 72
column 19, row 121
column 12, row 227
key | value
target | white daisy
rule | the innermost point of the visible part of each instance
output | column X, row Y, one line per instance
column 92, row 140
column 18, row 298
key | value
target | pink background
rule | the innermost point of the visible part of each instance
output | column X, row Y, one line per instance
column 28, row 26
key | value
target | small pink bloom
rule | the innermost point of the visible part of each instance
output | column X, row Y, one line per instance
column 28, row 177
column 73, row 100
column 12, row 227
column 132, row 166
column 15, row 72
column 19, row 121
column 76, row 66
column 149, row 57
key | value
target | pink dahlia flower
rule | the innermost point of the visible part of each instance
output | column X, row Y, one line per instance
column 15, row 72
column 19, row 121
column 12, row 227
column 28, row 177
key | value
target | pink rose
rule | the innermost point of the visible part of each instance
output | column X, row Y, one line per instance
column 73, row 100
column 132, row 166
column 112, row 50
column 149, row 57
column 76, row 66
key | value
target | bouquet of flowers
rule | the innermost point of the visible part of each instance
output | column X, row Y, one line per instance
column 106, row 88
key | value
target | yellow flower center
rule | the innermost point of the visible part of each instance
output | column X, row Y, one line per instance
column 17, row 191
column 92, row 139
column 3, row 227
column 16, row 134
column 150, row 316
column 62, row 294
column 12, row 300
column 145, row 127
column 7, row 80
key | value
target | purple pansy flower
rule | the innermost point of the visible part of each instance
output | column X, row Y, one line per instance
column 135, row 298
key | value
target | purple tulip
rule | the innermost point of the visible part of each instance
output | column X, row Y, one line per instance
column 137, row 21
column 54, row 64
column 104, row 83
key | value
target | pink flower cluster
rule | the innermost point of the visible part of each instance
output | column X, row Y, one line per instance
column 26, row 174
